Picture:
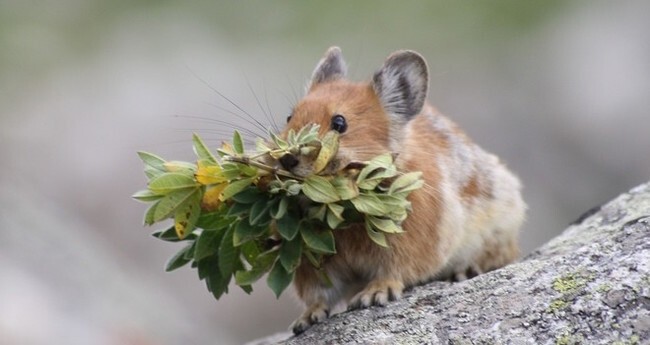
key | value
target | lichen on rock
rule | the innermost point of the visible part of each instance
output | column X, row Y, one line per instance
column 589, row 285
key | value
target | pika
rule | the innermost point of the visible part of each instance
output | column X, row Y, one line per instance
column 464, row 221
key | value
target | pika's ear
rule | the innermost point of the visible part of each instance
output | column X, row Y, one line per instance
column 329, row 68
column 401, row 84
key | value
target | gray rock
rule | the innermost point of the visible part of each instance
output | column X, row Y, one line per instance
column 588, row 285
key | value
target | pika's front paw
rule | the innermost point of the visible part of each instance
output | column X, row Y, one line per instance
column 377, row 293
column 315, row 313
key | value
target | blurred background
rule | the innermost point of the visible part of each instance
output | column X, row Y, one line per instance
column 560, row 90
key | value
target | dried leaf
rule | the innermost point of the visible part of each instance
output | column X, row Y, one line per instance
column 328, row 150
column 187, row 214
column 212, row 197
column 209, row 173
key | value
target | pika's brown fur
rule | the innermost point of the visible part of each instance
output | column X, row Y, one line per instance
column 464, row 220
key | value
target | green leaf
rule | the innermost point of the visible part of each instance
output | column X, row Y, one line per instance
column 231, row 171
column 385, row 225
column 248, row 170
column 290, row 253
column 319, row 189
column 146, row 196
column 244, row 231
column 279, row 279
column 217, row 285
column 169, row 182
column 187, row 214
column 259, row 213
column 247, row 288
column 317, row 212
column 393, row 201
column 369, row 184
column 289, row 225
column 215, row 220
column 167, row 205
column 237, row 209
column 152, row 172
column 382, row 161
column 248, row 196
column 207, row 244
column 312, row 257
column 408, row 181
column 208, row 266
column 279, row 142
column 261, row 146
column 235, row 187
column 250, row 250
column 238, row 143
column 149, row 217
column 262, row 265
column 369, row 204
column 293, row 188
column 248, row 277
column 318, row 240
column 333, row 220
column 201, row 150
column 189, row 254
column 279, row 209
column 345, row 188
column 307, row 134
column 179, row 167
column 179, row 259
column 214, row 280
column 337, row 210
column 375, row 236
column 152, row 161
column 169, row 235
column 291, row 136
column 228, row 254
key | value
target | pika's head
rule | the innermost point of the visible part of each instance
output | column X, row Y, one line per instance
column 370, row 116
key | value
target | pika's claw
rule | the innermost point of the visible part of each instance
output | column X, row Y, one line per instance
column 314, row 314
column 377, row 293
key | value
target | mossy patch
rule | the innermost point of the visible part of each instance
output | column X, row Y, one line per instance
column 603, row 288
column 570, row 283
column 568, row 338
column 557, row 305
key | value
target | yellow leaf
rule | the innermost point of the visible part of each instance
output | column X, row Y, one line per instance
column 209, row 174
column 212, row 197
column 330, row 146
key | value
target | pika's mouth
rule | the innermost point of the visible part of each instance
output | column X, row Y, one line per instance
column 304, row 154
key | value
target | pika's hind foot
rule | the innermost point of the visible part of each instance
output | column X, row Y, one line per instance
column 378, row 293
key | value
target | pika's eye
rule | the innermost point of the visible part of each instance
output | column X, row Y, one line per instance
column 288, row 118
column 338, row 123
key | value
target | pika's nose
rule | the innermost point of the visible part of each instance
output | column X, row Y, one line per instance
column 289, row 161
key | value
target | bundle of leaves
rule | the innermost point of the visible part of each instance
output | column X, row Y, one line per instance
column 242, row 216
